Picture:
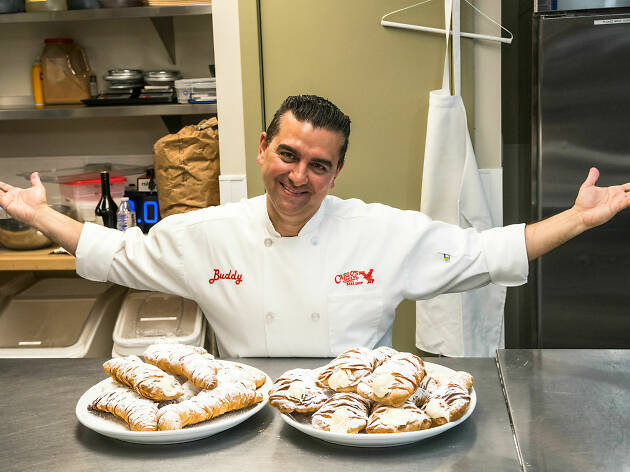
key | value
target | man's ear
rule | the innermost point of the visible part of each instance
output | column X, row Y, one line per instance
column 332, row 183
column 262, row 147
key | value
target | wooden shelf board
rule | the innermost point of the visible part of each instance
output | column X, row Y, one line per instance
column 38, row 259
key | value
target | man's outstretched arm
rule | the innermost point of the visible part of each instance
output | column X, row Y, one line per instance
column 30, row 206
column 593, row 206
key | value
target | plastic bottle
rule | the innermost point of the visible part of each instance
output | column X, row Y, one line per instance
column 125, row 217
column 106, row 208
column 37, row 79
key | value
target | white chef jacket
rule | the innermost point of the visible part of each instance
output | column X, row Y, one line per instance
column 334, row 286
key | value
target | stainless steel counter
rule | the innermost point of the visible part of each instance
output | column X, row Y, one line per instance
column 40, row 431
column 570, row 408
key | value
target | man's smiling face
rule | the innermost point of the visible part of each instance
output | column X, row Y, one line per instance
column 299, row 167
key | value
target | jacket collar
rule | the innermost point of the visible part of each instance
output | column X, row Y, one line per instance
column 309, row 228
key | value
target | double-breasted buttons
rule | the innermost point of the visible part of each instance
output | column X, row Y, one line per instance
column 268, row 242
column 315, row 317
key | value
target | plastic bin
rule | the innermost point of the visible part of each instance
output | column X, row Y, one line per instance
column 149, row 317
column 83, row 195
column 60, row 317
column 183, row 87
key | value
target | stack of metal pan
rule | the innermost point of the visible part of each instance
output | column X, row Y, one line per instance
column 124, row 81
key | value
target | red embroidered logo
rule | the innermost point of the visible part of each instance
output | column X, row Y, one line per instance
column 231, row 275
column 355, row 277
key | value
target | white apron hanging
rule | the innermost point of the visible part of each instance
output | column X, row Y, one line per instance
column 469, row 323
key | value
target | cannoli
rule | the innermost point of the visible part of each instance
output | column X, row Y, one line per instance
column 449, row 403
column 207, row 404
column 343, row 413
column 254, row 375
column 394, row 381
column 296, row 391
column 192, row 362
column 140, row 413
column 146, row 379
column 344, row 373
column 405, row 418
column 190, row 390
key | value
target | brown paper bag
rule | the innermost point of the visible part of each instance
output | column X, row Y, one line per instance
column 187, row 168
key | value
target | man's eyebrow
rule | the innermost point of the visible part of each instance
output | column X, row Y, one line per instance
column 319, row 160
column 286, row 147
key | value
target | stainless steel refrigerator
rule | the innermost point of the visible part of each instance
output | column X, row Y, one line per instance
column 582, row 119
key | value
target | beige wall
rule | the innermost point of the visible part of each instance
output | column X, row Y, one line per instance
column 379, row 76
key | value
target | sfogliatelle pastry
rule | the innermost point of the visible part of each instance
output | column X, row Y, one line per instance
column 404, row 418
column 146, row 379
column 140, row 413
column 296, row 391
column 448, row 403
column 192, row 362
column 343, row 413
column 207, row 404
column 394, row 381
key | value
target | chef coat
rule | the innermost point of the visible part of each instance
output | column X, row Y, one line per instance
column 334, row 286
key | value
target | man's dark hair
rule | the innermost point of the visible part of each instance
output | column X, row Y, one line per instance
column 317, row 111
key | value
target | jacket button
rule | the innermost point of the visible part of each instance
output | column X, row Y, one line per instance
column 314, row 241
column 269, row 317
column 315, row 317
column 268, row 242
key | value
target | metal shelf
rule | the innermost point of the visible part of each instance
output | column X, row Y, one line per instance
column 77, row 111
column 106, row 13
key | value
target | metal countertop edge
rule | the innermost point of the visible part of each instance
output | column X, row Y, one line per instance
column 519, row 454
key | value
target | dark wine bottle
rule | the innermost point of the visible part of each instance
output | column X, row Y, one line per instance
column 106, row 208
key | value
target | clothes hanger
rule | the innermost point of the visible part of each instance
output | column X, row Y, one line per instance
column 443, row 31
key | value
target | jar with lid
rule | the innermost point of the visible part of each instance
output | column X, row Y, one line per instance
column 45, row 5
column 65, row 72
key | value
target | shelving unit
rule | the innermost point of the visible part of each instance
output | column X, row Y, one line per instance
column 174, row 115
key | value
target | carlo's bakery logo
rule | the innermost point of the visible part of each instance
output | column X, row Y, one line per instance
column 231, row 275
column 355, row 277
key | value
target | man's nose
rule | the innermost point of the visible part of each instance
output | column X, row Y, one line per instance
column 298, row 175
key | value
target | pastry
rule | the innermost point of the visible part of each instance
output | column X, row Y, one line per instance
column 256, row 376
column 343, row 413
column 394, row 381
column 448, row 403
column 405, row 418
column 207, row 404
column 192, row 362
column 344, row 373
column 190, row 390
column 296, row 391
column 140, row 413
column 146, row 379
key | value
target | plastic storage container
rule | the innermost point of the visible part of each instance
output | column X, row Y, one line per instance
column 184, row 87
column 11, row 6
column 65, row 72
column 83, row 4
column 149, row 317
column 60, row 317
column 83, row 195
column 46, row 5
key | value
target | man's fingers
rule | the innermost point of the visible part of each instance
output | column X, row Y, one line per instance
column 593, row 175
column 35, row 180
column 4, row 187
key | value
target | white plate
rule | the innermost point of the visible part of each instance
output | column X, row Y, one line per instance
column 302, row 422
column 113, row 427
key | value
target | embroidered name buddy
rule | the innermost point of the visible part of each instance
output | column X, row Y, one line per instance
column 231, row 275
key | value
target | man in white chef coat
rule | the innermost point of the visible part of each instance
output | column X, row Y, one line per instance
column 298, row 272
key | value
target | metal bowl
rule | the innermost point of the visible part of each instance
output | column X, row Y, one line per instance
column 17, row 235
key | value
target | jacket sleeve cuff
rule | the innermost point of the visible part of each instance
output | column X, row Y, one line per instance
column 506, row 255
column 95, row 251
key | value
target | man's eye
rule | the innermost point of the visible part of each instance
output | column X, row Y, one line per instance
column 287, row 156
